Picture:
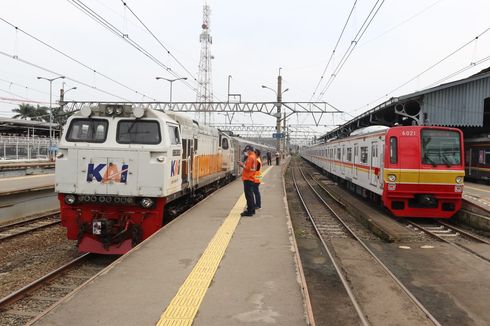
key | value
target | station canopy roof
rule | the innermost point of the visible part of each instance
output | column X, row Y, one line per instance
column 461, row 103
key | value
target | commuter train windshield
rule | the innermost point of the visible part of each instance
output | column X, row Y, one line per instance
column 441, row 147
column 138, row 132
column 87, row 130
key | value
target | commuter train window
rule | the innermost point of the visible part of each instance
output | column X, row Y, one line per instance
column 338, row 153
column 87, row 130
column 224, row 143
column 349, row 154
column 174, row 134
column 487, row 157
column 393, row 150
column 364, row 154
column 440, row 147
column 145, row 132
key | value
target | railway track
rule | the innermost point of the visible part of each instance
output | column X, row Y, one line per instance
column 12, row 230
column 23, row 305
column 452, row 235
column 330, row 225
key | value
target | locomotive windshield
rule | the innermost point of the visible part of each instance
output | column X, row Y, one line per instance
column 441, row 147
column 138, row 132
column 87, row 130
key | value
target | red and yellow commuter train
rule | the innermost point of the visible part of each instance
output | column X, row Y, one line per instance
column 415, row 171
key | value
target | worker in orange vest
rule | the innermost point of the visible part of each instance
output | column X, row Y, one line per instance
column 248, row 177
column 258, row 179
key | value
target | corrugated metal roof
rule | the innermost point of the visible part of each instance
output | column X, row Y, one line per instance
column 457, row 104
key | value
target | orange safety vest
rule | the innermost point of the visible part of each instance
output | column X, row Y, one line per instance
column 250, row 167
column 258, row 174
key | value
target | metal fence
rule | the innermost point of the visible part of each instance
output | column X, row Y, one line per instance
column 26, row 148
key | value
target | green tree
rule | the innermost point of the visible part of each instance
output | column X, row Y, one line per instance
column 24, row 111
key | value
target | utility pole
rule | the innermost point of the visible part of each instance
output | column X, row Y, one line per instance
column 278, row 117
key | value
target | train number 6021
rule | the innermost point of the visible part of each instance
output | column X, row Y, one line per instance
column 408, row 133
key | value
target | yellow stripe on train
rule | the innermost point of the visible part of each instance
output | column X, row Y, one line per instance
column 424, row 176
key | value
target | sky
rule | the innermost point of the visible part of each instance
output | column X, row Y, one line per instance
column 251, row 41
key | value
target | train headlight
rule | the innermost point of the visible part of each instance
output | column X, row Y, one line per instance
column 59, row 155
column 109, row 110
column 146, row 202
column 391, row 177
column 459, row 180
column 118, row 110
column 70, row 199
column 161, row 158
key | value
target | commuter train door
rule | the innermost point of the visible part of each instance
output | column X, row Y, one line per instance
column 374, row 169
column 355, row 160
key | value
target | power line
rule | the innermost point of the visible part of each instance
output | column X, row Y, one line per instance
column 15, row 57
column 365, row 25
column 159, row 42
column 23, row 86
column 74, row 60
column 433, row 66
column 334, row 49
column 110, row 27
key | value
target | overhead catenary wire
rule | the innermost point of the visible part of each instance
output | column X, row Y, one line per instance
column 23, row 86
column 74, row 59
column 365, row 25
column 114, row 30
column 17, row 58
column 334, row 49
column 158, row 40
column 460, row 48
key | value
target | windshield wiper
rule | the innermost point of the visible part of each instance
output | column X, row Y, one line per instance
column 445, row 159
column 428, row 159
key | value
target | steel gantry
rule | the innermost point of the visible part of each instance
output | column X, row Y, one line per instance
column 318, row 110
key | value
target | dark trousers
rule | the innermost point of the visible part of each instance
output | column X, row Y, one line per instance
column 258, row 202
column 249, row 195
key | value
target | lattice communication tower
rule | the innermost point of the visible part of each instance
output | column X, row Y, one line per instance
column 205, row 91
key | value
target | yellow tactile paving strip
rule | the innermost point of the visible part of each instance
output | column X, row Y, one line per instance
column 184, row 306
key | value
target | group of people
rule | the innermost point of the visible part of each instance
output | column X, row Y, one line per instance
column 252, row 178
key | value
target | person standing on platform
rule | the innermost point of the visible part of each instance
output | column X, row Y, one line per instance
column 257, row 180
column 248, row 177
column 269, row 158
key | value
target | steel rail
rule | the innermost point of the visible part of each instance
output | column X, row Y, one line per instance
column 7, row 227
column 23, row 292
column 373, row 255
column 451, row 243
column 464, row 232
column 343, row 279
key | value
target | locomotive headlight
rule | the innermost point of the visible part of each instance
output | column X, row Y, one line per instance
column 109, row 110
column 146, row 202
column 391, row 177
column 70, row 199
column 459, row 180
column 118, row 110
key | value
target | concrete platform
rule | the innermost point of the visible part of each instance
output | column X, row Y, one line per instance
column 208, row 267
column 15, row 185
column 476, row 206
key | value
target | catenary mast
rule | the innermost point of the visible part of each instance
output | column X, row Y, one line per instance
column 205, row 90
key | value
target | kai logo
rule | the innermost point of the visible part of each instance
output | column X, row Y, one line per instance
column 174, row 168
column 106, row 173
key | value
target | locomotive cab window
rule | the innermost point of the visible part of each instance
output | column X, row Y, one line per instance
column 87, row 130
column 224, row 143
column 393, row 150
column 440, row 147
column 174, row 134
column 138, row 132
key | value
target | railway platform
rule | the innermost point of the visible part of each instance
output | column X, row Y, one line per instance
column 476, row 205
column 15, row 185
column 208, row 267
